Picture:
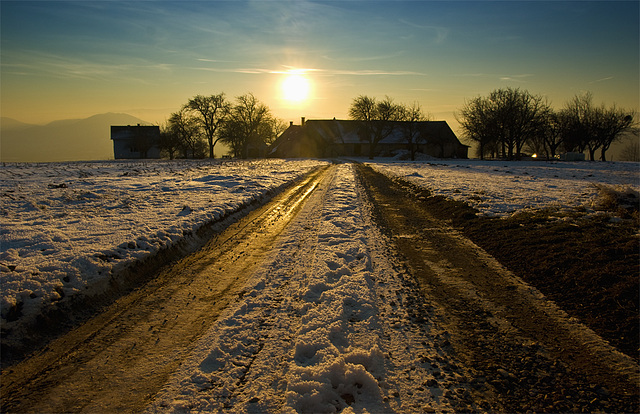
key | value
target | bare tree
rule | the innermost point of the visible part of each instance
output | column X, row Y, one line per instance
column 615, row 123
column 549, row 140
column 575, row 123
column 411, row 115
column 520, row 116
column 552, row 134
column 250, row 127
column 169, row 141
column 587, row 127
column 510, row 117
column 278, row 126
column 631, row 151
column 188, row 132
column 232, row 135
column 210, row 113
column 376, row 119
column 479, row 124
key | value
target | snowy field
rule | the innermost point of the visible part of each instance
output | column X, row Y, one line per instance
column 501, row 188
column 316, row 325
column 66, row 226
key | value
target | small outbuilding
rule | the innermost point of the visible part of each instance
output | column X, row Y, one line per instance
column 344, row 138
column 135, row 142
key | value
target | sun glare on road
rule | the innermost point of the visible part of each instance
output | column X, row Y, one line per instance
column 295, row 87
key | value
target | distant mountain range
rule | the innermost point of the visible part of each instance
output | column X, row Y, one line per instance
column 65, row 140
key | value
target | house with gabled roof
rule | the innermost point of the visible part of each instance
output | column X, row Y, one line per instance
column 326, row 138
column 135, row 142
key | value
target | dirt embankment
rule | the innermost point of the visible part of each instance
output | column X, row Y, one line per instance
column 522, row 349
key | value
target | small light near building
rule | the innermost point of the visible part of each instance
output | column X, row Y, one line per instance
column 534, row 156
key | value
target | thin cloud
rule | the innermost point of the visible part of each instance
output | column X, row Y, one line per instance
column 365, row 58
column 601, row 80
column 375, row 73
column 324, row 72
column 440, row 33
column 516, row 78
column 214, row 60
column 64, row 67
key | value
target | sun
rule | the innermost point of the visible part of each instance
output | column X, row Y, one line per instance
column 295, row 87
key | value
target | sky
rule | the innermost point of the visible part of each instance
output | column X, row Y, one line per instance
column 63, row 60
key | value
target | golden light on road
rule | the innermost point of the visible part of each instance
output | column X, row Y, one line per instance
column 295, row 86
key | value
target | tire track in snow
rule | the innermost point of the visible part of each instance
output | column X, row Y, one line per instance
column 331, row 324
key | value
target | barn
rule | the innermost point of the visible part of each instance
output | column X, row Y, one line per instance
column 345, row 138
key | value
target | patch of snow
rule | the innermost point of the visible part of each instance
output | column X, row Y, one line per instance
column 500, row 188
column 67, row 226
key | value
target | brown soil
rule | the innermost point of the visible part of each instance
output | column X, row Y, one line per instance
column 524, row 353
column 587, row 265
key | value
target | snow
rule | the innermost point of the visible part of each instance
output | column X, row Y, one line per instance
column 323, row 323
column 501, row 188
column 68, row 226
column 323, row 328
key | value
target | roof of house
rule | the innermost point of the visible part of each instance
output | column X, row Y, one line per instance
column 346, row 131
column 129, row 132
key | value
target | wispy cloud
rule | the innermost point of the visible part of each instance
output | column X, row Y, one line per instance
column 601, row 80
column 321, row 72
column 439, row 33
column 65, row 67
column 516, row 78
column 374, row 72
column 214, row 60
column 365, row 58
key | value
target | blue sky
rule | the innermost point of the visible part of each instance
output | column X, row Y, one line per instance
column 75, row 59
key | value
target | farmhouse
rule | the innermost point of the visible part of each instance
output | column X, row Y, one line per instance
column 338, row 138
column 135, row 142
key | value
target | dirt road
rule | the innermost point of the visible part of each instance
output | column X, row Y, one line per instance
column 341, row 294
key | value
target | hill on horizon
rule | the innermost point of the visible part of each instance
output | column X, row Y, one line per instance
column 85, row 139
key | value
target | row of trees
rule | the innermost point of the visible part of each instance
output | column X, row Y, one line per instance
column 377, row 121
column 246, row 126
column 504, row 124
column 509, row 120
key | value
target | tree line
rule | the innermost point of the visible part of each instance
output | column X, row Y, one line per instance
column 246, row 126
column 503, row 124
column 508, row 120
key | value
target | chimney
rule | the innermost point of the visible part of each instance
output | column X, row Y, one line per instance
column 302, row 121
column 290, row 123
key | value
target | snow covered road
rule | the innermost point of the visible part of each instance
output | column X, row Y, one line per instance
column 325, row 326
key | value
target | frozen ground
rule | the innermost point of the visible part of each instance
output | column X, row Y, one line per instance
column 323, row 328
column 499, row 188
column 66, row 226
column 323, row 325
